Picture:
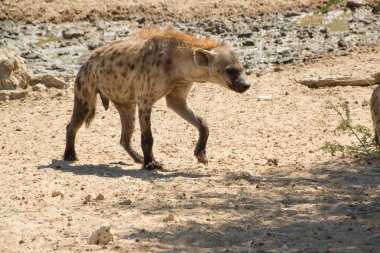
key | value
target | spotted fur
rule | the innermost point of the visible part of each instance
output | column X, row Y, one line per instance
column 138, row 71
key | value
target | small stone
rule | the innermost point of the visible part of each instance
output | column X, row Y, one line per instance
column 244, row 34
column 248, row 43
column 50, row 81
column 95, row 44
column 141, row 20
column 342, row 43
column 278, row 68
column 99, row 197
column 88, row 198
column 71, row 33
column 272, row 162
column 353, row 4
column 170, row 217
column 57, row 193
column 264, row 98
column 101, row 236
column 39, row 87
column 126, row 202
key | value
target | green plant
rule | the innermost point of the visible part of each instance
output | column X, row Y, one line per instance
column 365, row 143
column 325, row 8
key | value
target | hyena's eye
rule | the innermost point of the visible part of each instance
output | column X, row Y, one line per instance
column 232, row 71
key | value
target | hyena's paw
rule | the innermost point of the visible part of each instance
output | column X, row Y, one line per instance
column 70, row 156
column 152, row 166
column 201, row 156
column 138, row 159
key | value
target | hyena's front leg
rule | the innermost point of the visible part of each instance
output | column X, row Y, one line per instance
column 127, row 116
column 147, row 138
column 176, row 100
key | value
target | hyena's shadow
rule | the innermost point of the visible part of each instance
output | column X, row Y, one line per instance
column 114, row 171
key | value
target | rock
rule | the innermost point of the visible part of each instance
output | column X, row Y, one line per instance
column 264, row 98
column 244, row 34
column 101, row 236
column 141, row 21
column 170, row 217
column 100, row 24
column 272, row 162
column 88, row 198
column 248, row 43
column 353, row 4
column 57, row 193
column 14, row 73
column 99, row 197
column 126, row 202
column 71, row 33
column 12, row 94
column 342, row 43
column 55, row 67
column 95, row 44
column 39, row 87
column 30, row 56
column 50, row 81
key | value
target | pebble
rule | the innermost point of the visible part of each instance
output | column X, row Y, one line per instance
column 126, row 202
column 248, row 43
column 57, row 193
column 101, row 236
column 88, row 198
column 170, row 217
column 265, row 98
column 342, row 43
column 71, row 33
column 99, row 197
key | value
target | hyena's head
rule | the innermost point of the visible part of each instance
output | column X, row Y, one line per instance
column 223, row 67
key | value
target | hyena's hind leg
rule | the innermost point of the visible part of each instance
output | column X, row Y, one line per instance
column 127, row 116
column 83, row 111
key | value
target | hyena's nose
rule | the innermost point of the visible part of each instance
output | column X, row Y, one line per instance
column 245, row 86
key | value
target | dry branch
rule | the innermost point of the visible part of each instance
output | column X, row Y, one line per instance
column 341, row 81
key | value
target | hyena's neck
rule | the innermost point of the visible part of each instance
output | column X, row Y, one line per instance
column 186, row 70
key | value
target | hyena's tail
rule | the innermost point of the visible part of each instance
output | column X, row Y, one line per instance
column 91, row 115
column 86, row 94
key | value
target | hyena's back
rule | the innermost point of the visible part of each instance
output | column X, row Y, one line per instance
column 110, row 71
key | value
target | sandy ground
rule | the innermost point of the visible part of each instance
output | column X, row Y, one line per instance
column 241, row 202
column 268, row 186
column 73, row 10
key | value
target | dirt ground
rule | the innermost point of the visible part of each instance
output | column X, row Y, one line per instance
column 73, row 10
column 309, row 202
column 267, row 188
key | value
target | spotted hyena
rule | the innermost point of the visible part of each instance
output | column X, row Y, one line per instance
column 140, row 70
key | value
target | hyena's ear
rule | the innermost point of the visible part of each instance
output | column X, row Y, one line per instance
column 203, row 58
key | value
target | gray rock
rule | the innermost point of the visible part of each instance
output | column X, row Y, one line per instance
column 248, row 43
column 95, row 44
column 353, row 4
column 71, row 33
column 342, row 44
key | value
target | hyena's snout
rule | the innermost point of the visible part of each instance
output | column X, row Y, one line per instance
column 240, row 84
